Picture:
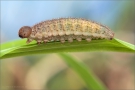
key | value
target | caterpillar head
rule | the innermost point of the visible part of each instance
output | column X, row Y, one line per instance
column 24, row 32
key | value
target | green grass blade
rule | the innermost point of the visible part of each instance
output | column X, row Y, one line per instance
column 86, row 74
column 20, row 48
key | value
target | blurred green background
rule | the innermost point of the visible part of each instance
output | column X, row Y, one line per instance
column 49, row 71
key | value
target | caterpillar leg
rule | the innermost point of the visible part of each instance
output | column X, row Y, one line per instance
column 88, row 39
column 79, row 39
column 39, row 42
column 70, row 40
column 111, row 38
column 28, row 40
column 62, row 40
column 45, row 41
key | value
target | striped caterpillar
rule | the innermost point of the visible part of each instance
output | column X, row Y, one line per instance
column 65, row 29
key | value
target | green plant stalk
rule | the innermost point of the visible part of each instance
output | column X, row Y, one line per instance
column 86, row 74
column 20, row 48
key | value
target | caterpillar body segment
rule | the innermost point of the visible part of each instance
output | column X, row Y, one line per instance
column 65, row 29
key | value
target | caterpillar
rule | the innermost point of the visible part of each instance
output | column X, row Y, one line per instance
column 65, row 29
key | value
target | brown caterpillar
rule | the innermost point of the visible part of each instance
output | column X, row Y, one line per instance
column 65, row 29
